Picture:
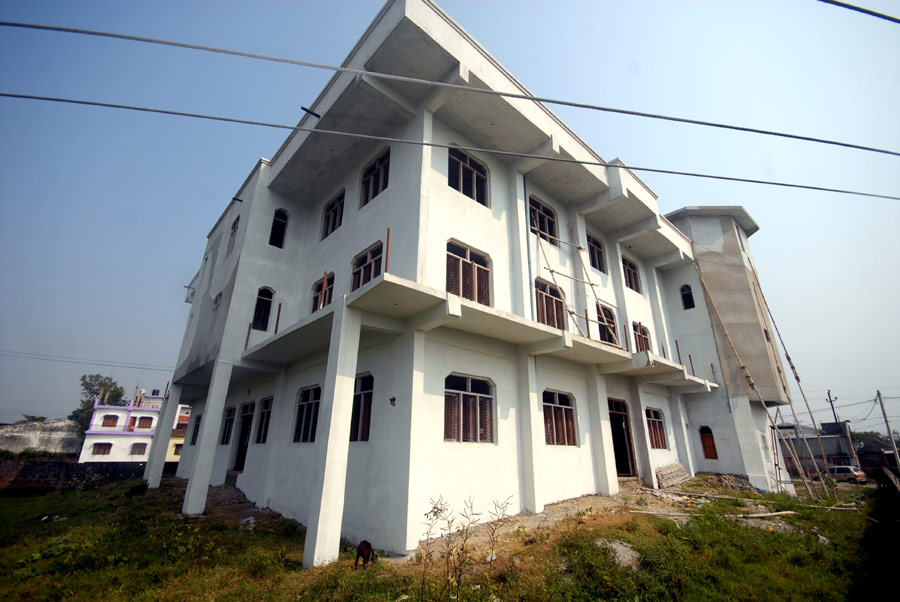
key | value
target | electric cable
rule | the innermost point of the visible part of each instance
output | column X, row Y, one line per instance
column 864, row 11
column 85, row 361
column 447, row 146
column 415, row 80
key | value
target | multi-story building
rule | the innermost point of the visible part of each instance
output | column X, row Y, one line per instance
column 459, row 298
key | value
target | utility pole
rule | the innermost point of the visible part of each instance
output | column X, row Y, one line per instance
column 890, row 432
column 831, row 401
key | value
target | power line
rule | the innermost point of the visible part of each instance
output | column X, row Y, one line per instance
column 298, row 128
column 864, row 11
column 415, row 80
column 84, row 361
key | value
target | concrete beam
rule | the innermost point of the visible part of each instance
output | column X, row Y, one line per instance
column 623, row 234
column 157, row 459
column 379, row 87
column 459, row 76
column 668, row 260
column 268, row 367
column 564, row 341
column 550, row 148
column 450, row 309
column 598, row 202
column 381, row 323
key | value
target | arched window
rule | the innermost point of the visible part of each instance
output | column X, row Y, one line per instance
column 279, row 227
column 543, row 220
column 263, row 309
column 361, row 417
column 687, row 297
column 375, row 178
column 632, row 275
column 606, row 319
column 550, row 305
column 559, row 418
column 333, row 215
column 657, row 429
column 467, row 175
column 307, row 414
column 366, row 266
column 709, row 443
column 641, row 337
column 595, row 253
column 468, row 409
column 233, row 235
column 468, row 273
column 322, row 292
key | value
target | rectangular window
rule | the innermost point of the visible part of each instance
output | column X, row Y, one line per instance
column 607, row 322
column 595, row 252
column 559, row 419
column 101, row 449
column 468, row 274
column 543, row 220
column 467, row 175
column 362, row 408
column 375, row 178
column 322, row 292
column 227, row 426
column 145, row 422
column 550, row 305
column 641, row 337
column 110, row 420
column 333, row 215
column 262, row 428
column 366, row 267
column 196, row 429
column 307, row 415
column 177, row 450
column 138, row 449
column 632, row 277
column 468, row 409
column 657, row 429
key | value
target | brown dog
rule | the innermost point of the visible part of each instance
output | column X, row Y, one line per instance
column 364, row 550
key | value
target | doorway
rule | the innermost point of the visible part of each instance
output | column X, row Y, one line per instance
column 244, row 427
column 621, row 434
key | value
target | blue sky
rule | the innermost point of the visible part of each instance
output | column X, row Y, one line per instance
column 103, row 213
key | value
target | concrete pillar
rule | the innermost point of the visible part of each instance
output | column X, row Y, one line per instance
column 618, row 284
column 279, row 430
column 412, row 395
column 659, row 321
column 682, row 432
column 641, row 438
column 585, row 300
column 531, row 433
column 323, row 529
column 164, row 425
column 521, row 284
column 601, row 433
column 198, row 484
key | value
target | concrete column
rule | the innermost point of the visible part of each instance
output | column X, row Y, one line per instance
column 659, row 321
column 641, row 438
column 618, row 282
column 323, row 529
column 279, row 430
column 581, row 266
column 412, row 395
column 164, row 425
column 601, row 433
column 531, row 433
column 198, row 484
column 520, row 280
column 682, row 432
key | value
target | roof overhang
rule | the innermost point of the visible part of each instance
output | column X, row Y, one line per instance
column 736, row 212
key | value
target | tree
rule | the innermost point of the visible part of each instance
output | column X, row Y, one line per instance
column 31, row 418
column 92, row 387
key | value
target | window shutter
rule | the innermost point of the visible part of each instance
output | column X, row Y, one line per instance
column 366, row 416
column 484, row 285
column 468, row 280
column 541, row 313
column 470, row 418
column 486, row 419
column 452, row 274
column 548, row 424
column 560, row 315
column 559, row 424
column 570, row 426
column 451, row 417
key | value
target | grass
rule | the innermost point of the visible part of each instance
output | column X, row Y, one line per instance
column 89, row 545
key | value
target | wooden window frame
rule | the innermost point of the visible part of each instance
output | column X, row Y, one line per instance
column 333, row 215
column 467, row 175
column 227, row 425
column 307, row 419
column 596, row 253
column 262, row 311
column 560, row 422
column 606, row 321
column 361, row 416
column 101, row 449
column 110, row 420
column 632, row 274
column 542, row 218
column 366, row 266
column 656, row 428
column 138, row 449
column 322, row 292
column 262, row 425
column 708, row 442
column 375, row 178
column 641, row 337
column 468, row 273
column 468, row 410
column 145, row 422
column 687, row 297
column 551, row 305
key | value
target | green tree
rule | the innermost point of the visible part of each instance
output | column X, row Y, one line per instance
column 31, row 418
column 92, row 386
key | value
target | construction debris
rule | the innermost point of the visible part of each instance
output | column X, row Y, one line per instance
column 671, row 475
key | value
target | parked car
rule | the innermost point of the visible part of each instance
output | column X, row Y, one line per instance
column 850, row 474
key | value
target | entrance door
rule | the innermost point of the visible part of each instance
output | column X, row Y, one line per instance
column 244, row 426
column 621, row 434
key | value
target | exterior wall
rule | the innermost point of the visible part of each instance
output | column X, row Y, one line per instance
column 58, row 436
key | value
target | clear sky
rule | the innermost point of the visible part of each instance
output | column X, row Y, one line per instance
column 104, row 213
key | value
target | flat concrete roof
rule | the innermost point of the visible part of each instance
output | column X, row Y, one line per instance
column 738, row 213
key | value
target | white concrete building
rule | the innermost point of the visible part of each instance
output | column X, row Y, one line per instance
column 122, row 433
column 378, row 323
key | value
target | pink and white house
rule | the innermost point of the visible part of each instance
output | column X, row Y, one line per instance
column 122, row 433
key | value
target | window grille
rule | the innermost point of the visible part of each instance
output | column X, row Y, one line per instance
column 467, row 175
